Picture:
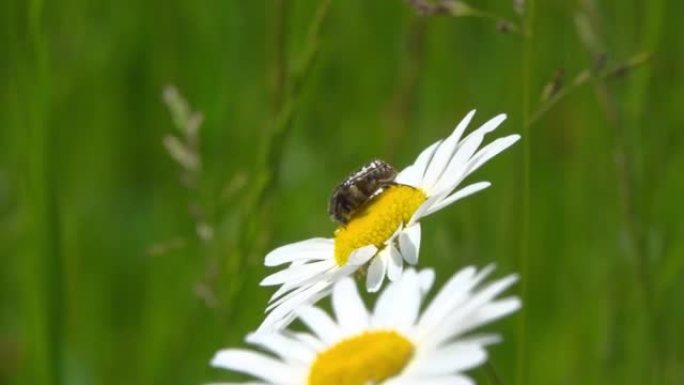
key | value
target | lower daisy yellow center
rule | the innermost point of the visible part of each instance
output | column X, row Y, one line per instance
column 377, row 220
column 368, row 358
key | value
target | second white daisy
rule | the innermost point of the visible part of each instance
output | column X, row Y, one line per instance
column 394, row 344
column 385, row 232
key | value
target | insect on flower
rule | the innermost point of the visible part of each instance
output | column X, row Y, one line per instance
column 380, row 213
column 359, row 187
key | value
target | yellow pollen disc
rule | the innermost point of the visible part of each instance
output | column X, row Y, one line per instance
column 377, row 220
column 368, row 358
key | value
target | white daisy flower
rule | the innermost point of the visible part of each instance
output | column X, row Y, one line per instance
column 394, row 344
column 385, row 232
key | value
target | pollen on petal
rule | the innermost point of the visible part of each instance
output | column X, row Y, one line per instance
column 377, row 220
column 368, row 358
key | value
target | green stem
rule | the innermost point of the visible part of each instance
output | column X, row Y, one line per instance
column 269, row 159
column 43, row 274
column 400, row 110
column 523, row 262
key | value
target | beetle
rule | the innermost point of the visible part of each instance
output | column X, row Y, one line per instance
column 358, row 188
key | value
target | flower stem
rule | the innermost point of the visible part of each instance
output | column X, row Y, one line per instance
column 523, row 262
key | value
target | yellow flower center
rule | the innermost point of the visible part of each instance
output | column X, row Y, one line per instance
column 377, row 220
column 368, row 358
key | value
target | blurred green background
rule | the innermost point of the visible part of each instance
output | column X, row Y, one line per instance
column 122, row 265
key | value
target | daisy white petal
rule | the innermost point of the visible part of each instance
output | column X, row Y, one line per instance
column 309, row 340
column 426, row 278
column 421, row 164
column 445, row 153
column 283, row 346
column 320, row 323
column 482, row 339
column 455, row 291
column 489, row 313
column 389, row 349
column 491, row 150
column 296, row 273
column 454, row 357
column 462, row 125
column 409, row 176
column 473, row 314
column 303, row 291
column 458, row 195
column 399, row 300
column 409, row 243
column 301, row 283
column 396, row 263
column 431, row 380
column 255, row 364
column 310, row 249
column 350, row 311
column 455, row 170
column 360, row 256
column 430, row 201
column 487, row 294
column 377, row 270
column 407, row 305
column 490, row 125
column 283, row 313
column 475, row 309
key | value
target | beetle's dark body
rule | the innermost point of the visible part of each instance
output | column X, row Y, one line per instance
column 359, row 188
